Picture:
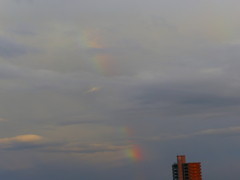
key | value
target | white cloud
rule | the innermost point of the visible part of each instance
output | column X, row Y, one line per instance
column 93, row 89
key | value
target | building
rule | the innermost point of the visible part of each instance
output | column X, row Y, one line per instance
column 175, row 171
column 192, row 171
column 186, row 171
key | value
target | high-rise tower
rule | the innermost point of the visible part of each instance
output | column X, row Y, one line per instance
column 186, row 171
column 180, row 161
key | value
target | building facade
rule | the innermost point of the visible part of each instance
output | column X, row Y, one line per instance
column 186, row 171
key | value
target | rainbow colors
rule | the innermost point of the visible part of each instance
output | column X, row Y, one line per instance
column 92, row 40
column 103, row 62
column 126, row 131
column 134, row 152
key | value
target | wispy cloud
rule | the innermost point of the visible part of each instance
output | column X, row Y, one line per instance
column 222, row 131
column 2, row 119
column 69, row 123
column 85, row 148
column 20, row 142
column 210, row 132
column 39, row 143
column 21, row 138
column 93, row 89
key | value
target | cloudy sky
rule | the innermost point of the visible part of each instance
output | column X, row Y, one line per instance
column 115, row 89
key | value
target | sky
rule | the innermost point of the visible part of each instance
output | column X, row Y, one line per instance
column 116, row 89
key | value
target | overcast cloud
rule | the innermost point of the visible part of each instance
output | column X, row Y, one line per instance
column 85, row 83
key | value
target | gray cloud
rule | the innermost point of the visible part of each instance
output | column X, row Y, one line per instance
column 23, row 30
column 79, row 122
column 222, row 131
column 63, row 147
column 9, row 48
column 229, row 131
column 91, row 149
column 189, row 94
column 171, row 75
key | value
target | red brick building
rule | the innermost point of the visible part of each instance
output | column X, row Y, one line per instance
column 186, row 171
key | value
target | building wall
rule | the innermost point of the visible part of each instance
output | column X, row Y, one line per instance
column 186, row 171
column 192, row 171
column 175, row 171
column 181, row 160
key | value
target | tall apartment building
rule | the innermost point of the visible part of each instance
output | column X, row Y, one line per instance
column 186, row 171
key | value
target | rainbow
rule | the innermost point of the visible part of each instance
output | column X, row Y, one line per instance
column 92, row 40
column 102, row 61
column 104, row 64
column 134, row 153
column 126, row 131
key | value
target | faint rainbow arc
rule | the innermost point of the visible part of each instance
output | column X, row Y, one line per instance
column 134, row 152
column 102, row 61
